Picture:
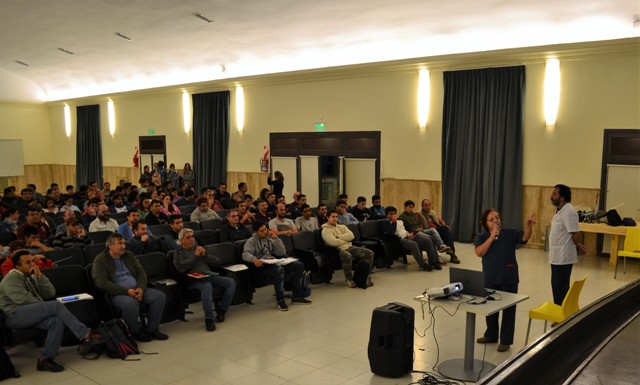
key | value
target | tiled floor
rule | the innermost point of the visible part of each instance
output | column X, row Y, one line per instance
column 325, row 343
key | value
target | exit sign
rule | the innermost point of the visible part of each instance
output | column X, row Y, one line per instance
column 152, row 131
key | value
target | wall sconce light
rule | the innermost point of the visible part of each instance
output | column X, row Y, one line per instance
column 551, row 92
column 424, row 95
column 240, row 108
column 112, row 117
column 67, row 120
column 186, row 112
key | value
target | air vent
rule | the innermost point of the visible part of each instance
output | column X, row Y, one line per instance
column 202, row 17
column 65, row 51
column 127, row 38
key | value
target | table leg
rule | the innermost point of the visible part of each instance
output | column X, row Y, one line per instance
column 469, row 343
column 467, row 369
column 613, row 253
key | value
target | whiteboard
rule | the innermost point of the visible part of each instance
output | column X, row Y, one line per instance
column 12, row 158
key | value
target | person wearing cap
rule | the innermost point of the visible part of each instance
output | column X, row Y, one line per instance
column 75, row 236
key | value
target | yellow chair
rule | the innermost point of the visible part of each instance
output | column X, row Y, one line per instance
column 631, row 248
column 549, row 311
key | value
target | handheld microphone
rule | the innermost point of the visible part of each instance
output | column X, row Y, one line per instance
column 496, row 238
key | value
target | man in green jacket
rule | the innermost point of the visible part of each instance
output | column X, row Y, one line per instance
column 119, row 273
column 22, row 298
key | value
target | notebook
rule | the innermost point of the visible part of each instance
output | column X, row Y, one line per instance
column 472, row 281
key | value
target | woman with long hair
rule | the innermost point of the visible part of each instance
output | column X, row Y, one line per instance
column 189, row 176
column 168, row 208
column 277, row 184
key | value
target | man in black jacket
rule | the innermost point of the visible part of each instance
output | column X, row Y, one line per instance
column 142, row 243
column 233, row 230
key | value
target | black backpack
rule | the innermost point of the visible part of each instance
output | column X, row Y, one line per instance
column 361, row 274
column 119, row 342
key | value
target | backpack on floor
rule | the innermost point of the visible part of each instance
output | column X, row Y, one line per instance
column 119, row 342
column 361, row 274
column 7, row 370
column 306, row 284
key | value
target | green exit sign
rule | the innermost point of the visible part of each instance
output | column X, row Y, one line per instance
column 152, row 131
column 320, row 126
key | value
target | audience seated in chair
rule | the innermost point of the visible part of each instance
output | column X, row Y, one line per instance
column 321, row 214
column 75, row 236
column 38, row 256
column 190, row 258
column 233, row 230
column 360, row 210
column 437, row 223
column 261, row 250
column 142, row 242
column 176, row 223
column 11, row 220
column 345, row 217
column 22, row 298
column 246, row 216
column 203, row 212
column 103, row 222
column 262, row 215
column 306, row 222
column 420, row 225
column 155, row 216
column 34, row 218
column 120, row 275
column 340, row 237
column 281, row 225
column 394, row 229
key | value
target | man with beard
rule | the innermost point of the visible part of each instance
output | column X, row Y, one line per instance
column 564, row 242
column 103, row 222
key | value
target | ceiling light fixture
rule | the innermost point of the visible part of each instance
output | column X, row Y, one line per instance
column 124, row 36
column 21, row 62
column 202, row 17
column 65, row 51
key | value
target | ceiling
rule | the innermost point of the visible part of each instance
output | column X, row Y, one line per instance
column 171, row 46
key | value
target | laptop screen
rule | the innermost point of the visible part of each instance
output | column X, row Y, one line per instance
column 472, row 281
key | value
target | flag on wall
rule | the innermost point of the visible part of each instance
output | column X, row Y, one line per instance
column 136, row 158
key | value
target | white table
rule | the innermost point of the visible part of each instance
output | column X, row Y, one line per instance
column 468, row 368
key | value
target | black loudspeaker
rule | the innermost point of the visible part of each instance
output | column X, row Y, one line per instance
column 391, row 340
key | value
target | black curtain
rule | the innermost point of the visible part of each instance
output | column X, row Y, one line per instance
column 482, row 147
column 88, row 145
column 210, row 137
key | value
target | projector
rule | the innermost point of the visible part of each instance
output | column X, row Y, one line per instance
column 445, row 291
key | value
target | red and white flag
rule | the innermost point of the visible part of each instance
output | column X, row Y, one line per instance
column 136, row 158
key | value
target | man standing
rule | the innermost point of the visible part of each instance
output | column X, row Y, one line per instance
column 261, row 250
column 103, row 222
column 340, row 237
column 564, row 242
column 119, row 273
column 190, row 258
column 22, row 295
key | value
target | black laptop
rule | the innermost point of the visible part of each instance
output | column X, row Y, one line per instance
column 472, row 281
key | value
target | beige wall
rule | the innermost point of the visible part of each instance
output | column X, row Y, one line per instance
column 29, row 122
column 600, row 89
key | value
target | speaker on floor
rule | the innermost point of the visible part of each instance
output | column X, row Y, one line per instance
column 391, row 340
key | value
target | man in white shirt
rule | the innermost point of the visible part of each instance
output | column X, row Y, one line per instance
column 564, row 242
column 103, row 222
